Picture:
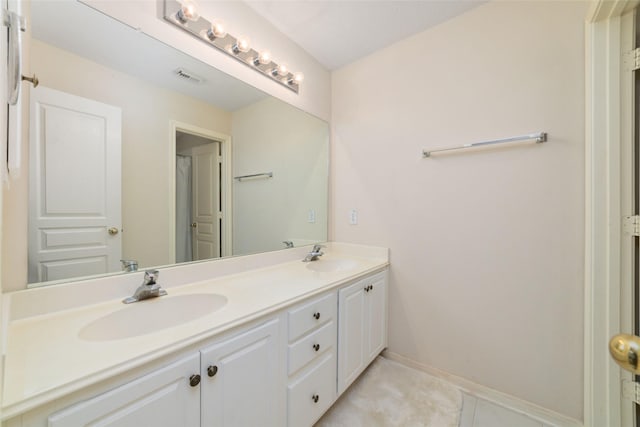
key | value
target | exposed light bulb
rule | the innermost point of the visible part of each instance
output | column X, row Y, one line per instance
column 217, row 31
column 263, row 58
column 188, row 12
column 280, row 70
column 297, row 78
column 243, row 44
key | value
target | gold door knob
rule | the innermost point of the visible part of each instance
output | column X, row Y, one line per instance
column 112, row 230
column 194, row 224
column 33, row 80
column 624, row 349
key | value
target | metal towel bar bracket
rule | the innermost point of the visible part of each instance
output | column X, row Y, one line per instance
column 539, row 137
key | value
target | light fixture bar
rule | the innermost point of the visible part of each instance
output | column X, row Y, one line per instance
column 201, row 29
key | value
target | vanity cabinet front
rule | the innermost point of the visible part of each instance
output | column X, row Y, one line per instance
column 168, row 397
column 241, row 383
column 285, row 370
column 362, row 329
column 233, row 382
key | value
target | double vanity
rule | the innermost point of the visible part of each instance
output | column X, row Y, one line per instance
column 257, row 340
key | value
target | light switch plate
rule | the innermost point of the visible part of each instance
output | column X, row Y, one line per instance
column 353, row 217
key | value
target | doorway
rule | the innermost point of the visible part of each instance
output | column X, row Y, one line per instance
column 202, row 214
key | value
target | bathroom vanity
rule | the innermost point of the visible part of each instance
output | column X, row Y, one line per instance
column 267, row 340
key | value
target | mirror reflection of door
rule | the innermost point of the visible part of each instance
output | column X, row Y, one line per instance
column 74, row 186
column 198, row 198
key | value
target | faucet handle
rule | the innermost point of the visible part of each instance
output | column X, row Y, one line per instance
column 150, row 277
column 317, row 247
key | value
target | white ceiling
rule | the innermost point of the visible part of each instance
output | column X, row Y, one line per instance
column 339, row 32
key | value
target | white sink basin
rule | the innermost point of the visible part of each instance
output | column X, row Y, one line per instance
column 152, row 315
column 331, row 265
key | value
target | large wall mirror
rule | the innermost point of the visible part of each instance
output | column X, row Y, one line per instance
column 139, row 152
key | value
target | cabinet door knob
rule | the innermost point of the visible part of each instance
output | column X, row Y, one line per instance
column 212, row 370
column 194, row 380
column 316, row 347
column 366, row 288
column 370, row 287
column 315, row 398
column 316, row 315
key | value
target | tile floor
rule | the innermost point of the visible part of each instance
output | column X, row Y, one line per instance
column 481, row 413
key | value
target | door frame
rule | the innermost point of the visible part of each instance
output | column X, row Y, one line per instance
column 608, row 294
column 226, row 248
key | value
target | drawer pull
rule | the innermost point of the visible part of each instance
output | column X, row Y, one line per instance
column 315, row 398
column 194, row 380
column 212, row 370
column 316, row 315
column 316, row 347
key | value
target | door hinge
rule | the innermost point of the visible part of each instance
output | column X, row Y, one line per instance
column 631, row 391
column 631, row 225
column 632, row 59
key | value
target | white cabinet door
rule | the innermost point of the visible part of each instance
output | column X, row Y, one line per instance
column 241, row 380
column 376, row 315
column 352, row 322
column 163, row 398
column 362, row 326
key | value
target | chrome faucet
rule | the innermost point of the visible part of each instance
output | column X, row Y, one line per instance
column 288, row 243
column 129, row 265
column 314, row 254
column 148, row 289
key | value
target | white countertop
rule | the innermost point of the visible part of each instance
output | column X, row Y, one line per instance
column 46, row 359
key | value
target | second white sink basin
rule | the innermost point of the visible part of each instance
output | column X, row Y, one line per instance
column 331, row 265
column 152, row 315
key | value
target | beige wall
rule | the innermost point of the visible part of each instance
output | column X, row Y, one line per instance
column 272, row 136
column 146, row 150
column 486, row 246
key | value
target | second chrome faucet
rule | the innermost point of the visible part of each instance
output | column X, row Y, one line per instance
column 149, row 288
column 315, row 253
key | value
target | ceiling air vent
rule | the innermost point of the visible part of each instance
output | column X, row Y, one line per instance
column 185, row 74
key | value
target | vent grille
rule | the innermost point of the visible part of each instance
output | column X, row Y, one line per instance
column 185, row 74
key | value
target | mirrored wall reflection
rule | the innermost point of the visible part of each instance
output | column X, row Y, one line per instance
column 136, row 147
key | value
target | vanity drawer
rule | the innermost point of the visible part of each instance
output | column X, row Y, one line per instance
column 312, row 346
column 311, row 395
column 312, row 314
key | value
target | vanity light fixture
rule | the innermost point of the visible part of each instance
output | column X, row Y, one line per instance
column 184, row 14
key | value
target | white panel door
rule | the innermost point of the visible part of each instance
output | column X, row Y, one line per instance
column 164, row 398
column 241, row 382
column 206, row 201
column 75, row 186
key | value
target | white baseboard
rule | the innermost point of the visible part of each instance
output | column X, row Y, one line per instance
column 508, row 401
